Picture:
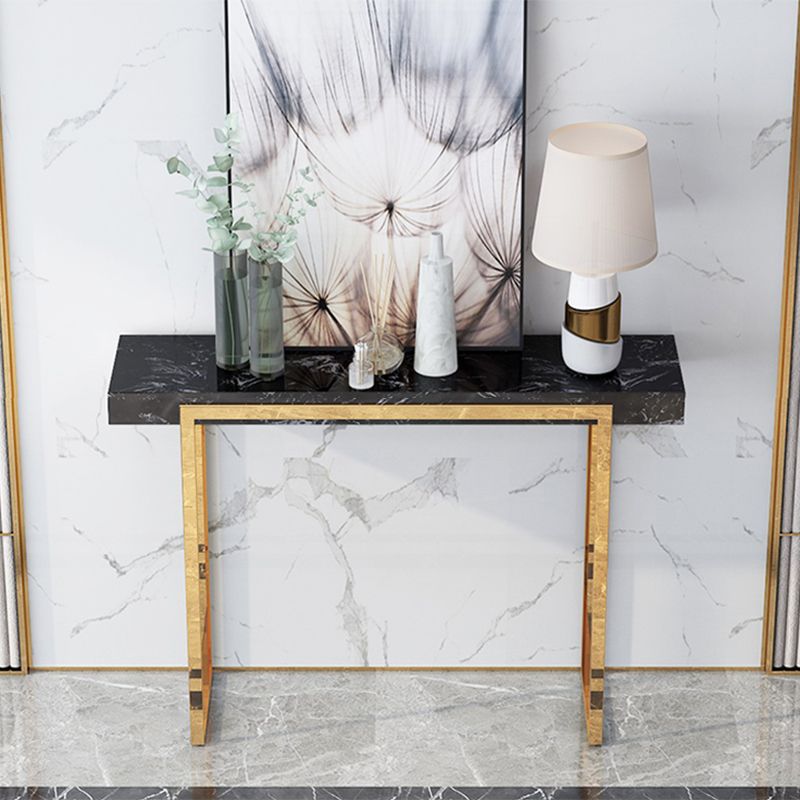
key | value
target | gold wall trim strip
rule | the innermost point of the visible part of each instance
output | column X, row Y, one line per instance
column 784, row 365
column 15, row 472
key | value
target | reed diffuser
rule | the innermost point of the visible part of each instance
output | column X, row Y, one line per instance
column 383, row 348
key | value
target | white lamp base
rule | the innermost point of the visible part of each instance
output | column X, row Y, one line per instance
column 592, row 291
column 589, row 358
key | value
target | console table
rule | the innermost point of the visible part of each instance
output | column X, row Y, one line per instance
column 172, row 380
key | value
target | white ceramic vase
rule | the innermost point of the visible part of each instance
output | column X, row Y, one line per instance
column 435, row 349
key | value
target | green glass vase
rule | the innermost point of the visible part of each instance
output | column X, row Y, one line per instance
column 230, row 305
column 265, row 286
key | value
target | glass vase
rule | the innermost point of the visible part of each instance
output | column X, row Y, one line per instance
column 266, row 318
column 383, row 350
column 230, row 305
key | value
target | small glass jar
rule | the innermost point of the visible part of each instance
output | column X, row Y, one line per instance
column 360, row 374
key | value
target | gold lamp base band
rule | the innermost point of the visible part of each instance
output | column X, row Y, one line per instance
column 595, row 324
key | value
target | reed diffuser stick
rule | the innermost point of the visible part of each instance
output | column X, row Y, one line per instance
column 379, row 296
column 390, row 271
column 370, row 303
column 385, row 351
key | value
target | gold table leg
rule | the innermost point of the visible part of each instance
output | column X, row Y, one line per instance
column 595, row 575
column 195, row 547
column 195, row 515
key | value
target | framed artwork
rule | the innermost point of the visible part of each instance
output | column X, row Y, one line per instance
column 410, row 115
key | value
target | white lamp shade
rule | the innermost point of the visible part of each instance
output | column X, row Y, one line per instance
column 595, row 213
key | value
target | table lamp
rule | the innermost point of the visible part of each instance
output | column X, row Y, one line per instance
column 595, row 218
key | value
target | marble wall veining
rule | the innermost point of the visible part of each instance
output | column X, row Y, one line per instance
column 387, row 546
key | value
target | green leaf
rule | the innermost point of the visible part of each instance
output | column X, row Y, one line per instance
column 174, row 165
column 222, row 163
column 222, row 240
column 241, row 225
column 220, row 135
column 205, row 206
column 192, row 193
column 219, row 201
column 217, row 180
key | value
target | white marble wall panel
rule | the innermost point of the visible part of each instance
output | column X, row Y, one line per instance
column 444, row 546
column 330, row 553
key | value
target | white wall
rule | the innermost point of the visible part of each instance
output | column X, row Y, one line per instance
column 451, row 546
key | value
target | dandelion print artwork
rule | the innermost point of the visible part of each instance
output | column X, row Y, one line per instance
column 409, row 114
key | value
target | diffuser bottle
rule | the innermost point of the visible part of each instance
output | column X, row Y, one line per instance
column 435, row 353
column 360, row 373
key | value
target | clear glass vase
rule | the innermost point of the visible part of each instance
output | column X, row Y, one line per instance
column 383, row 350
column 266, row 318
column 230, row 305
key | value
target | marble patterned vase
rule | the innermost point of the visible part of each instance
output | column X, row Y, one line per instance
column 436, row 347
column 266, row 318
column 230, row 307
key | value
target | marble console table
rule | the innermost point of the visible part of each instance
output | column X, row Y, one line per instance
column 171, row 380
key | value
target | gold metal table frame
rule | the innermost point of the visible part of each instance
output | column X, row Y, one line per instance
column 194, row 418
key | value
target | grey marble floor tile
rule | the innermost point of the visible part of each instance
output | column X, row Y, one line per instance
column 400, row 729
column 399, row 793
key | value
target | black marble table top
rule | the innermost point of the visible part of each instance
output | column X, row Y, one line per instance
column 154, row 375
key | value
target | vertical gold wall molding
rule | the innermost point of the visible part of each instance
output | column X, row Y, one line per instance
column 784, row 365
column 15, row 474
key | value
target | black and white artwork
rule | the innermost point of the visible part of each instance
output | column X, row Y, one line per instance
column 410, row 115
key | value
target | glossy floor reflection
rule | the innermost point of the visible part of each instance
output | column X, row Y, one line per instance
column 400, row 729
